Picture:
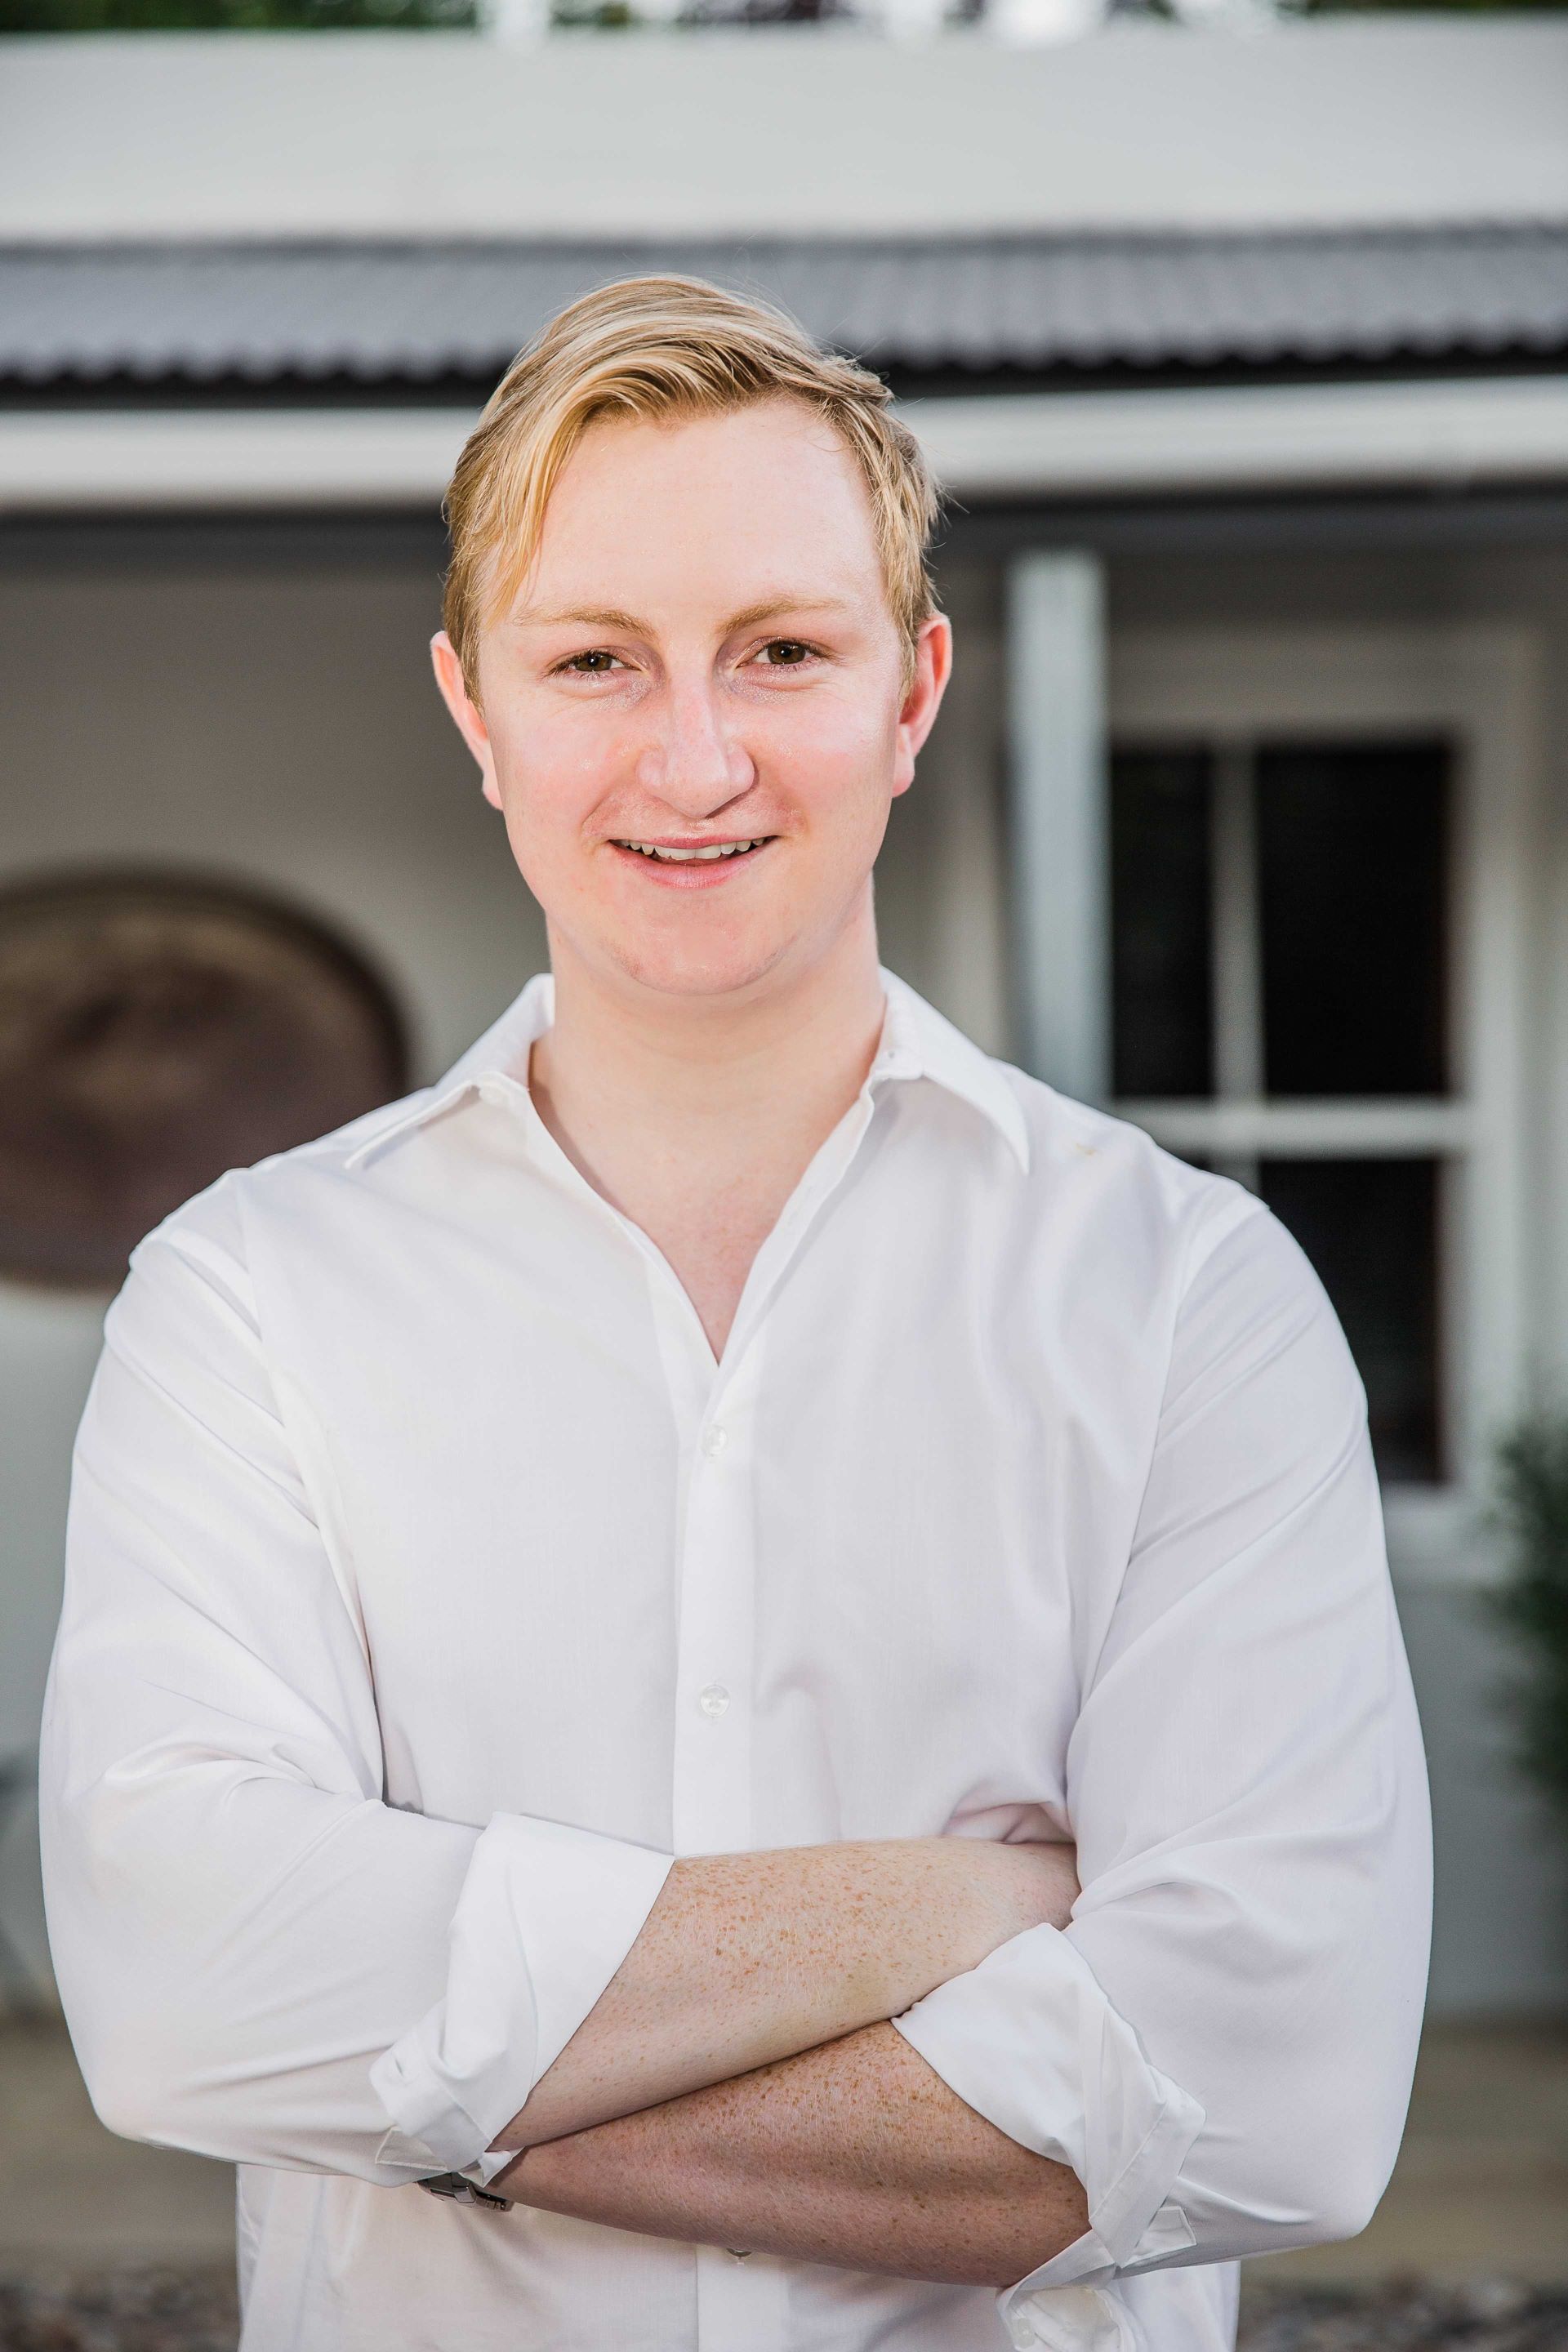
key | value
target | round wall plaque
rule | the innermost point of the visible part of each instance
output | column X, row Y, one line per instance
column 154, row 1031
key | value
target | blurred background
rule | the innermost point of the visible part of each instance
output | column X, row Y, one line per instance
column 1238, row 339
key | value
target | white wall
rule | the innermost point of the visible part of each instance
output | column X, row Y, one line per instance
column 648, row 134
column 1500, row 1929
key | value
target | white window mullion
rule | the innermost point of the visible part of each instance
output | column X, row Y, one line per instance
column 1331, row 1128
column 1238, row 943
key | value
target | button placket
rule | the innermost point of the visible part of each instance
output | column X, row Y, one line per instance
column 712, row 1796
column 740, row 2300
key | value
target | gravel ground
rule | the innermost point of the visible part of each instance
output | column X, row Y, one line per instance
column 121, row 2311
column 193, row 2311
column 1489, row 2316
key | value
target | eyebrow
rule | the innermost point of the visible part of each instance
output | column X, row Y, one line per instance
column 597, row 617
column 774, row 605
column 587, row 616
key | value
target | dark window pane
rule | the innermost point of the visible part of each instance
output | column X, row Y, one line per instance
column 1352, row 879
column 1160, row 998
column 1370, row 1227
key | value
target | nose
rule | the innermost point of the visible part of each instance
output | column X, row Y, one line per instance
column 692, row 760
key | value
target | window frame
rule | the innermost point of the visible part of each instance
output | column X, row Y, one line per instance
column 1479, row 685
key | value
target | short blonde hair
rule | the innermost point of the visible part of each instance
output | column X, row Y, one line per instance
column 667, row 347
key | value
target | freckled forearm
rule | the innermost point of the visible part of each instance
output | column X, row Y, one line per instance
column 854, row 2154
column 747, row 1959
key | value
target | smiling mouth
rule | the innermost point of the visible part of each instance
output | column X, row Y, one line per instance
column 706, row 853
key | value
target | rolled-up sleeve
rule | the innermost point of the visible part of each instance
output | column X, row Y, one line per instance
column 1221, row 2042
column 259, row 1957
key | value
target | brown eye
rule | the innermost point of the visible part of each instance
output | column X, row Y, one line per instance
column 786, row 652
column 592, row 664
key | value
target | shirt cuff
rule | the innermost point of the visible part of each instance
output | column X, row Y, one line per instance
column 545, row 1917
column 1030, row 2041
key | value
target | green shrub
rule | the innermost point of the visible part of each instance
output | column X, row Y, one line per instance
column 1531, row 1603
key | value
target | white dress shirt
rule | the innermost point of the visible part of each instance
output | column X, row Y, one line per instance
column 430, row 1586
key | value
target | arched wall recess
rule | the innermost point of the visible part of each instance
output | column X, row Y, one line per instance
column 155, row 1029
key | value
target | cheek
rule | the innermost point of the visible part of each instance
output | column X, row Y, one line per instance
column 835, row 760
column 550, row 780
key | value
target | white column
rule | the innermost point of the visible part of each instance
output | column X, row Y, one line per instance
column 1058, row 846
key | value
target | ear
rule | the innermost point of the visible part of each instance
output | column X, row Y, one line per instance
column 934, row 667
column 467, row 716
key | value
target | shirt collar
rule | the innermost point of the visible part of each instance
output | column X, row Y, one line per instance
column 501, row 1051
column 916, row 1042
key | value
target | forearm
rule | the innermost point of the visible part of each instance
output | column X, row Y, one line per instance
column 746, row 1959
column 854, row 2154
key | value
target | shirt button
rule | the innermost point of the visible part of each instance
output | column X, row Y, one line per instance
column 714, row 1699
column 714, row 1440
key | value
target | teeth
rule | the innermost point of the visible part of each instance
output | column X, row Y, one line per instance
column 689, row 857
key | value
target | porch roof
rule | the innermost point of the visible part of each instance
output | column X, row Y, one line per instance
column 379, row 313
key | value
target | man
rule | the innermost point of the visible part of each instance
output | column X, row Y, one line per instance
column 603, row 1597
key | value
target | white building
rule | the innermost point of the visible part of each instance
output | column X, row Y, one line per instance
column 1241, row 354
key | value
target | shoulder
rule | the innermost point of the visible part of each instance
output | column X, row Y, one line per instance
column 1115, row 1185
column 1148, row 1238
column 209, row 1236
column 1233, row 1312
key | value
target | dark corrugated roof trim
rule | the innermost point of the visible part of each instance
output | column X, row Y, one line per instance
column 415, row 313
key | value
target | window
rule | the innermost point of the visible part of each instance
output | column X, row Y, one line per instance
column 1279, row 934
column 1370, row 1227
column 1318, row 864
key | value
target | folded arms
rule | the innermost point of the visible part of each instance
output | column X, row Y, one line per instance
column 762, row 2102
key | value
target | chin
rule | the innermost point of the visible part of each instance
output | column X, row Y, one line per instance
column 693, row 968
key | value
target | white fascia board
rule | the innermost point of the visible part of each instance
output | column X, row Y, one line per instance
column 1272, row 437
column 1072, row 445
column 339, row 459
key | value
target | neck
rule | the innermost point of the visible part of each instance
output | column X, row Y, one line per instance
column 717, row 1077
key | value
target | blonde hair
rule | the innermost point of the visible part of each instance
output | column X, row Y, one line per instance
column 666, row 348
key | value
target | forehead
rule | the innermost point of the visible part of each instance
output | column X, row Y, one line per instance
column 725, row 507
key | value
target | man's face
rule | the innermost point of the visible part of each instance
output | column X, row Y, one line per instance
column 703, row 656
